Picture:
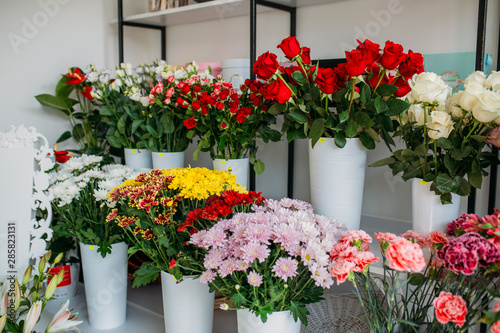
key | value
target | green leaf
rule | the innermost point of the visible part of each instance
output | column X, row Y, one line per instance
column 135, row 124
column 367, row 140
column 59, row 103
column 363, row 119
column 365, row 93
column 164, row 241
column 258, row 167
column 114, row 141
column 277, row 108
column 300, row 116
column 78, row 132
column 343, row 116
column 416, row 279
column 386, row 89
column 299, row 77
column 106, row 111
column 351, row 129
column 478, row 138
column 396, row 107
column 168, row 124
column 153, row 131
column 65, row 136
column 444, row 143
column 475, row 179
column 122, row 123
column 444, row 183
column 146, row 274
column 339, row 139
column 321, row 111
column 466, row 151
column 380, row 105
column 382, row 162
column 449, row 163
column 299, row 312
column 196, row 153
column 463, row 186
column 317, row 130
column 63, row 89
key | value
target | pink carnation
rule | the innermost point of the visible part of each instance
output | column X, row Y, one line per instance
column 363, row 259
column 450, row 308
column 337, row 249
column 436, row 237
column 385, row 237
column 404, row 255
column 414, row 237
column 355, row 235
column 341, row 270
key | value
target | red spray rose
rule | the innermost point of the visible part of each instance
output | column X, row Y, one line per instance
column 356, row 63
column 190, row 123
column 403, row 87
column 326, row 80
column 393, row 55
column 279, row 91
column 266, row 65
column 290, row 47
column 306, row 55
column 414, row 64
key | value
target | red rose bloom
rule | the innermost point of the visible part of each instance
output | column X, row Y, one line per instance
column 223, row 125
column 378, row 76
column 279, row 91
column 190, row 123
column 290, row 47
column 306, row 55
column 369, row 50
column 326, row 80
column 403, row 87
column 414, row 64
column 196, row 105
column 204, row 110
column 241, row 118
column 356, row 63
column 266, row 65
column 393, row 55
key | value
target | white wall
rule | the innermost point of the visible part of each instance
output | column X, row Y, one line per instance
column 78, row 32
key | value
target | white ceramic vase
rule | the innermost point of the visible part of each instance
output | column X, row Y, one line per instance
column 188, row 306
column 105, row 281
column 337, row 178
column 138, row 158
column 428, row 213
column 168, row 160
column 239, row 167
column 277, row 322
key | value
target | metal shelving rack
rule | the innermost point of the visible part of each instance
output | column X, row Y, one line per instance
column 205, row 11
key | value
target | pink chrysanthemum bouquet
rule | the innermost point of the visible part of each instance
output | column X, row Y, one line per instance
column 274, row 259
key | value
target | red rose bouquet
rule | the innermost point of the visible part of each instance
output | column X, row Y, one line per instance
column 449, row 291
column 365, row 90
column 229, row 123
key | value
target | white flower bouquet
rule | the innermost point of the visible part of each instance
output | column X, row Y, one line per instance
column 79, row 188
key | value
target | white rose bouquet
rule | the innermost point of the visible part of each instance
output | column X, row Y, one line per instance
column 445, row 133
column 79, row 188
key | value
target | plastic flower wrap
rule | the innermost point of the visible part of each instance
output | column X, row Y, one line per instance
column 273, row 259
column 159, row 210
column 447, row 291
column 79, row 188
column 445, row 134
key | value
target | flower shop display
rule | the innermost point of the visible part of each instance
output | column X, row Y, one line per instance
column 271, row 261
column 445, row 136
column 22, row 301
column 448, row 291
column 341, row 111
column 158, row 211
column 80, row 188
column 88, row 128
column 229, row 123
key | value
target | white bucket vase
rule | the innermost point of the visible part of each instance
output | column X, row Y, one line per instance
column 188, row 306
column 105, row 281
column 138, row 158
column 428, row 213
column 168, row 160
column 277, row 322
column 239, row 168
column 337, row 178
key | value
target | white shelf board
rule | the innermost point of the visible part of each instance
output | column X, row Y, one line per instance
column 211, row 10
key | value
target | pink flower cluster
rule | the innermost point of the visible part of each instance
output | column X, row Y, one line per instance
column 351, row 254
column 488, row 226
column 465, row 253
column 287, row 227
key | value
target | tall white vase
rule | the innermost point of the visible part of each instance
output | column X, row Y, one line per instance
column 168, row 160
column 138, row 158
column 337, row 180
column 105, row 281
column 239, row 167
column 188, row 306
column 277, row 322
column 428, row 214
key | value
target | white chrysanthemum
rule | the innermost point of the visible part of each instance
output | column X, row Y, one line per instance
column 100, row 195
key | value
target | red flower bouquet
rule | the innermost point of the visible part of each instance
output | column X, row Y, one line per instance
column 355, row 99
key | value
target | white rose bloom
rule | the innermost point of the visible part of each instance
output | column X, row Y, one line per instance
column 493, row 81
column 428, row 87
column 439, row 125
column 470, row 95
column 453, row 105
column 416, row 113
column 476, row 77
column 487, row 108
column 136, row 97
column 144, row 100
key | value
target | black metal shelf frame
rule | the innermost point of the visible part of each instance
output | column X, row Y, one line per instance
column 480, row 53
